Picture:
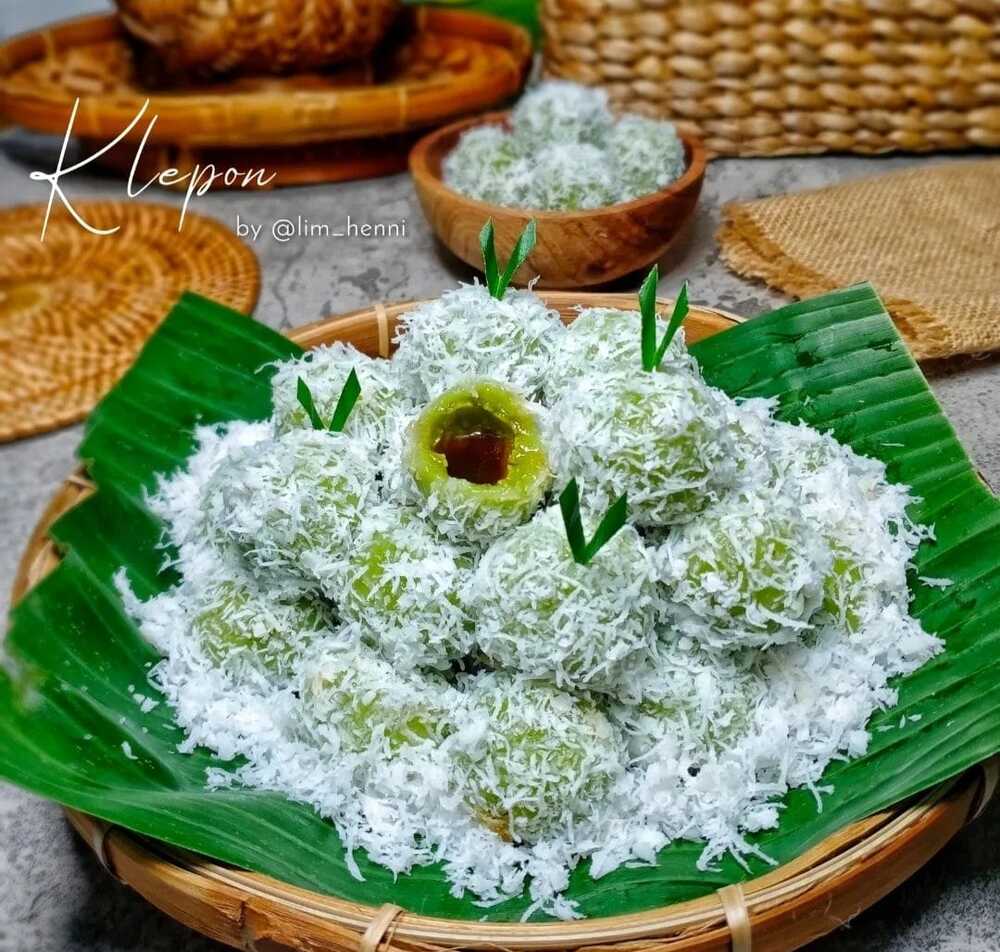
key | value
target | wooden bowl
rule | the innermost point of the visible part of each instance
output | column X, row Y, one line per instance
column 789, row 906
column 574, row 249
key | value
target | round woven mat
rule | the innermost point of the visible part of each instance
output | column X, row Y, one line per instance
column 76, row 308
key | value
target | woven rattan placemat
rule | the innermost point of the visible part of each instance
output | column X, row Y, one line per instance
column 928, row 238
column 76, row 307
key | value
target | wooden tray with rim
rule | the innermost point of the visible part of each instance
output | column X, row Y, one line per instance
column 790, row 906
column 354, row 121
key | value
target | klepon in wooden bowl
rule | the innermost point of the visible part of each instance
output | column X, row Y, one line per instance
column 791, row 905
column 575, row 249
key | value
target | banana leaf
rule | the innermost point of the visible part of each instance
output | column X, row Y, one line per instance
column 66, row 705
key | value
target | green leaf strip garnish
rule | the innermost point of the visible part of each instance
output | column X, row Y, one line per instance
column 614, row 519
column 496, row 282
column 652, row 355
column 676, row 319
column 345, row 403
column 306, row 399
column 525, row 243
column 488, row 247
column 647, row 309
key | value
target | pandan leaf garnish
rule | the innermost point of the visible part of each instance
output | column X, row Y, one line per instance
column 651, row 354
column 495, row 281
column 308, row 404
column 345, row 404
column 584, row 551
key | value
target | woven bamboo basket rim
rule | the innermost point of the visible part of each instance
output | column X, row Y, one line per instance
column 787, row 907
column 279, row 114
column 423, row 165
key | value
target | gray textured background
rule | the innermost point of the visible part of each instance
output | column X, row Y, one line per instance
column 53, row 895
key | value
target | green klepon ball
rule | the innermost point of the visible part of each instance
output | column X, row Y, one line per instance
column 476, row 460
column 568, row 177
column 845, row 594
column 467, row 333
column 531, row 759
column 849, row 501
column 749, row 573
column 325, row 371
column 548, row 617
column 482, row 163
column 401, row 591
column 647, row 154
column 605, row 340
column 360, row 702
column 565, row 151
column 699, row 702
column 662, row 438
column 558, row 112
column 237, row 623
column 293, row 505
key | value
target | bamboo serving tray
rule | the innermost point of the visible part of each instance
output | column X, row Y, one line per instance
column 787, row 908
column 349, row 122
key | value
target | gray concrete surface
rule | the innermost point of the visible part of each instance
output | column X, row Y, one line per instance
column 53, row 895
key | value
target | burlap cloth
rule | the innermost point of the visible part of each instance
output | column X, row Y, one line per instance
column 928, row 239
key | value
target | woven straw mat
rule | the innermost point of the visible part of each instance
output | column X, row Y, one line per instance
column 927, row 238
column 76, row 308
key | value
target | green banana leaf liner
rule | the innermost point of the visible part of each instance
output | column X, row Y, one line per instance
column 835, row 362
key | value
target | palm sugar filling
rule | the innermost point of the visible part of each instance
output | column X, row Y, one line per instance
column 477, row 446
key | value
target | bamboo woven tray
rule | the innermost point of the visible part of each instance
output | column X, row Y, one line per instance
column 783, row 910
column 779, row 77
column 438, row 65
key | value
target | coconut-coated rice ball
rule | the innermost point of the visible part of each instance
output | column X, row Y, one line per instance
column 460, row 509
column 293, row 504
column 546, row 616
column 325, row 371
column 533, row 759
column 648, row 155
column 358, row 701
column 605, row 340
column 661, row 437
column 468, row 333
column 749, row 573
column 557, row 111
column 401, row 591
column 240, row 624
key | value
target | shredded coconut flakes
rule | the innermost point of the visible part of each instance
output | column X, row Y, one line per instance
column 678, row 724
column 565, row 150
